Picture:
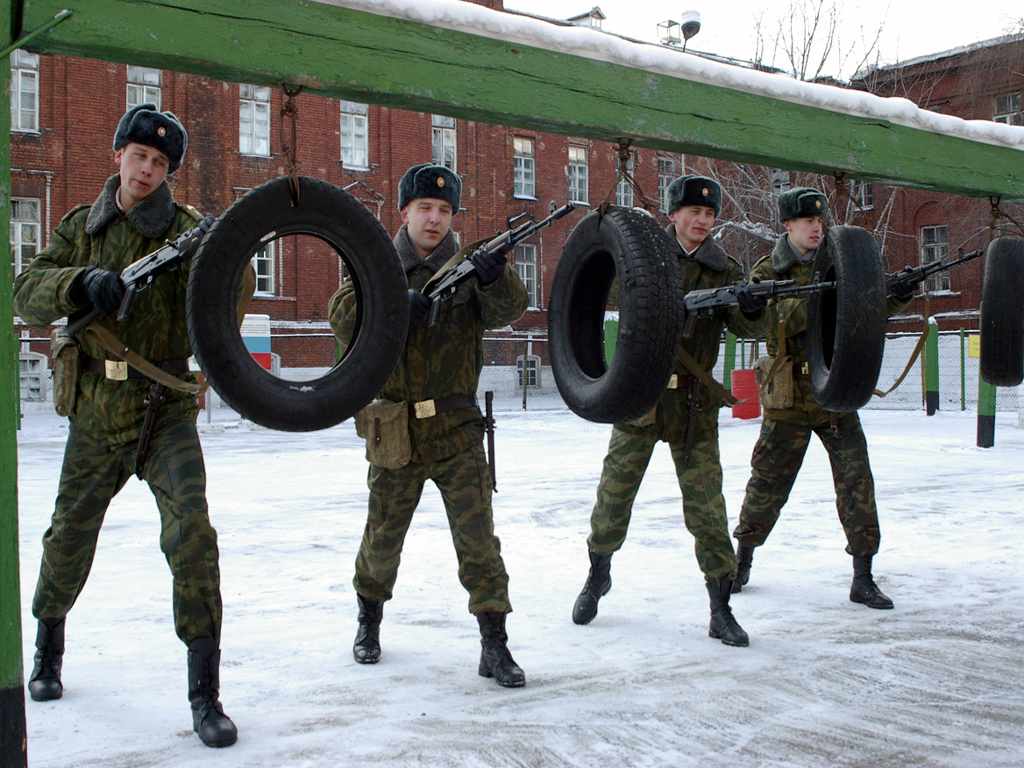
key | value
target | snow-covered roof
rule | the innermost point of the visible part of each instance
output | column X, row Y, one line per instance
column 951, row 53
column 662, row 60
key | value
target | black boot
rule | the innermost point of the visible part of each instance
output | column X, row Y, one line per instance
column 599, row 581
column 495, row 660
column 723, row 625
column 367, row 646
column 864, row 590
column 744, row 559
column 44, row 684
column 215, row 729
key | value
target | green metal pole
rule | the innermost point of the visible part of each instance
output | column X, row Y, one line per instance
column 931, row 389
column 730, row 360
column 13, row 743
column 986, row 412
column 963, row 371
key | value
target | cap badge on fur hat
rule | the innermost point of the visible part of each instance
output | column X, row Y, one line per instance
column 705, row 192
column 440, row 181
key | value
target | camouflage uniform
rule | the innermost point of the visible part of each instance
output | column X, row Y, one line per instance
column 107, row 420
column 785, row 433
column 631, row 446
column 447, row 448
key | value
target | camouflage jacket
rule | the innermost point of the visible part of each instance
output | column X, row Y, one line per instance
column 783, row 264
column 101, row 235
column 708, row 267
column 446, row 359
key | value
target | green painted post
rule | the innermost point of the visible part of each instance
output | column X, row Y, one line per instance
column 986, row 412
column 730, row 360
column 931, row 389
column 13, row 743
column 963, row 371
column 611, row 335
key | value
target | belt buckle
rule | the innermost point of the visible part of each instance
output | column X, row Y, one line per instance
column 673, row 381
column 425, row 409
column 115, row 370
column 805, row 368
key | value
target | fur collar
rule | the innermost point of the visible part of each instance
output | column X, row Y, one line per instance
column 411, row 259
column 151, row 217
column 783, row 256
column 709, row 253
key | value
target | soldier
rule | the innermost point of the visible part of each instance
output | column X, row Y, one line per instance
column 434, row 386
column 686, row 418
column 786, row 432
column 134, row 215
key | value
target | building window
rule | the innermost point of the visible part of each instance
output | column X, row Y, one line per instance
column 935, row 246
column 24, row 91
column 526, row 266
column 254, row 120
column 666, row 175
column 443, row 141
column 532, row 370
column 1007, row 109
column 263, row 263
column 863, row 194
column 623, row 191
column 32, row 369
column 24, row 232
column 354, row 142
column 780, row 181
column 578, row 175
column 523, row 169
column 143, row 87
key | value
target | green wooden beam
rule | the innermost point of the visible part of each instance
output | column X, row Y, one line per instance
column 364, row 57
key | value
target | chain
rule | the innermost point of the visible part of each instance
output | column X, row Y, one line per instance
column 288, row 148
column 623, row 173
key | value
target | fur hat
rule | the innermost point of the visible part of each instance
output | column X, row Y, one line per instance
column 162, row 130
column 801, row 202
column 695, row 190
column 428, row 180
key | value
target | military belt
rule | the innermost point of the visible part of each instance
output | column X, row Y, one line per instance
column 679, row 382
column 119, row 370
column 425, row 409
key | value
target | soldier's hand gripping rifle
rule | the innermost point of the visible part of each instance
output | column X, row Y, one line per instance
column 444, row 286
column 139, row 275
column 902, row 284
column 702, row 303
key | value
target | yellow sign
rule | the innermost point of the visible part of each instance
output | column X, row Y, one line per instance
column 974, row 345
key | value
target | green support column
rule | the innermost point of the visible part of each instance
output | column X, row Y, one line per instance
column 963, row 371
column 986, row 412
column 12, row 685
column 730, row 360
column 931, row 353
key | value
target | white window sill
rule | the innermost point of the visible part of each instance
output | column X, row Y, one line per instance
column 524, row 197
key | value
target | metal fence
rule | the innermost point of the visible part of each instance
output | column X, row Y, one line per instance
column 518, row 371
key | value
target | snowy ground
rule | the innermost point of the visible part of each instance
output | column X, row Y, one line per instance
column 935, row 682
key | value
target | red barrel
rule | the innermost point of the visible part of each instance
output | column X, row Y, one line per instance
column 745, row 385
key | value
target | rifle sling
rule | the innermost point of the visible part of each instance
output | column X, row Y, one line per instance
column 120, row 350
column 709, row 381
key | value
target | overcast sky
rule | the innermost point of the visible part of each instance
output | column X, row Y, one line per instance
column 728, row 28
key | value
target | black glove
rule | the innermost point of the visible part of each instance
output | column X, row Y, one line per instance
column 419, row 305
column 902, row 290
column 750, row 304
column 489, row 266
column 103, row 288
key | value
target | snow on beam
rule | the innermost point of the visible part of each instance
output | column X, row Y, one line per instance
column 462, row 60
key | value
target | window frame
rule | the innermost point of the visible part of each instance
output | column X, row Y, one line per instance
column 533, row 371
column 578, row 174
column 444, row 137
column 1010, row 112
column 526, row 262
column 932, row 251
column 24, row 68
column 252, row 96
column 863, row 194
column 17, row 230
column 355, row 113
column 524, row 168
column 268, row 258
column 149, row 92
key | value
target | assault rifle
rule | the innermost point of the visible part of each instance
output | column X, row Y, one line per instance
column 700, row 304
column 917, row 275
column 446, row 285
column 139, row 275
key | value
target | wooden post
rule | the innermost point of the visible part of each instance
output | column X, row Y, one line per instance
column 13, row 745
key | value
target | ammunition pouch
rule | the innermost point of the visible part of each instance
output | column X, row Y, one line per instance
column 778, row 392
column 65, row 359
column 385, row 427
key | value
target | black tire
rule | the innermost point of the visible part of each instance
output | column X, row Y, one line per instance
column 846, row 325
column 1002, row 313
column 629, row 246
column 332, row 215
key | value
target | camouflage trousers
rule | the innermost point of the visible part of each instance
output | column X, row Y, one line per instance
column 778, row 455
column 464, row 481
column 701, row 486
column 92, row 474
